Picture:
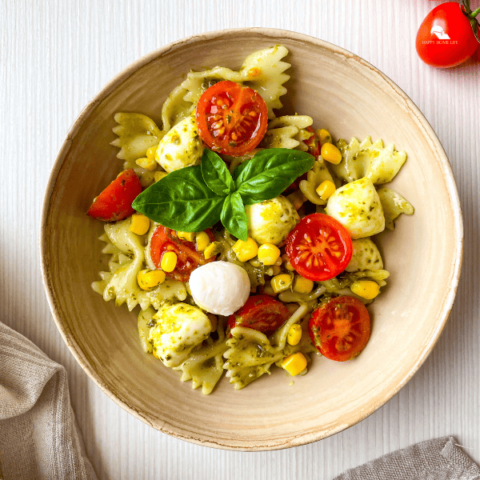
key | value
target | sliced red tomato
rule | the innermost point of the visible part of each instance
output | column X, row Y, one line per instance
column 115, row 202
column 313, row 143
column 319, row 247
column 231, row 119
column 340, row 329
column 262, row 313
column 188, row 259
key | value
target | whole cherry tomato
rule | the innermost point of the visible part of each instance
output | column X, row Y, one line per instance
column 340, row 329
column 231, row 119
column 262, row 313
column 188, row 258
column 115, row 202
column 449, row 35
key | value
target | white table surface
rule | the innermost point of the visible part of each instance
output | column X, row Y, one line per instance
column 55, row 55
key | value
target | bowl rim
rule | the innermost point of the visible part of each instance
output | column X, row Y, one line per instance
column 276, row 34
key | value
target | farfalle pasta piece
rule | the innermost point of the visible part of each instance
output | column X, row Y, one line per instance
column 144, row 321
column 372, row 160
column 136, row 134
column 393, row 205
column 287, row 132
column 318, row 174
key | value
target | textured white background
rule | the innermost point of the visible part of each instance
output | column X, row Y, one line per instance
column 54, row 57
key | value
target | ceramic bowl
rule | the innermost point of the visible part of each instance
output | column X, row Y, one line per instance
column 348, row 96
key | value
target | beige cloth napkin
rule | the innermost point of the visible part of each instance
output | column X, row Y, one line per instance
column 39, row 438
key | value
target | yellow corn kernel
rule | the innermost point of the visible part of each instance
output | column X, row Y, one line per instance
column 294, row 334
column 324, row 136
column 287, row 263
column 245, row 251
column 330, row 153
column 203, row 241
column 169, row 261
column 146, row 163
column 302, row 285
column 213, row 249
column 148, row 279
column 365, row 288
column 140, row 224
column 151, row 152
column 326, row 189
column 159, row 175
column 276, row 270
column 268, row 253
column 295, row 363
column 188, row 236
column 282, row 282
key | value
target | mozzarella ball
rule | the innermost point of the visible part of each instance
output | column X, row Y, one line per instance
column 179, row 328
column 357, row 207
column 365, row 256
column 180, row 147
column 272, row 220
column 220, row 287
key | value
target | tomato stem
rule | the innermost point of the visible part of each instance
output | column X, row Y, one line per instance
column 475, row 13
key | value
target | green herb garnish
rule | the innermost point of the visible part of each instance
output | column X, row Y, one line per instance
column 195, row 198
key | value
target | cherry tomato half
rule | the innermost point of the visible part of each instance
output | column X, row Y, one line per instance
column 262, row 313
column 115, row 202
column 188, row 259
column 319, row 247
column 445, row 37
column 231, row 119
column 340, row 329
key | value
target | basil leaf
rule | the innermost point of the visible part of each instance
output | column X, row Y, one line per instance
column 216, row 174
column 181, row 201
column 269, row 173
column 233, row 216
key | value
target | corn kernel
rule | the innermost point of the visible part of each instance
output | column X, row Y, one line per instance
column 151, row 152
column 268, row 253
column 213, row 249
column 188, row 236
column 331, row 153
column 326, row 189
column 302, row 285
column 159, row 175
column 365, row 289
column 324, row 136
column 148, row 279
column 287, row 263
column 146, row 163
column 203, row 241
column 295, row 363
column 276, row 270
column 140, row 224
column 147, row 179
column 294, row 334
column 169, row 261
column 245, row 250
column 280, row 283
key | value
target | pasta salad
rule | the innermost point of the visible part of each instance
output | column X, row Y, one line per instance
column 246, row 239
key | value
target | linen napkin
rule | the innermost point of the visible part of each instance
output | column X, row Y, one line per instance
column 39, row 438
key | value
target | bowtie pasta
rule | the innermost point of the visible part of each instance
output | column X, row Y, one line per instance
column 310, row 255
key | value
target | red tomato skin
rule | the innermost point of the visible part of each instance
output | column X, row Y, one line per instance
column 261, row 313
column 227, row 91
column 115, row 202
column 312, row 226
column 449, row 19
column 325, row 330
column 188, row 259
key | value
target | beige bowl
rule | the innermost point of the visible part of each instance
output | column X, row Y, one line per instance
column 348, row 96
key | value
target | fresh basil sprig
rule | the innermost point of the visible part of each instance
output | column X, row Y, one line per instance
column 195, row 198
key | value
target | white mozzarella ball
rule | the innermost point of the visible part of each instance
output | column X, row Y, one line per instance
column 272, row 220
column 357, row 207
column 220, row 287
column 365, row 256
column 179, row 328
column 180, row 147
